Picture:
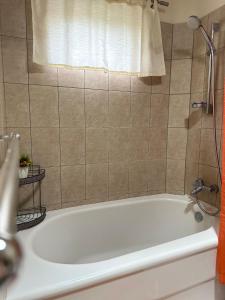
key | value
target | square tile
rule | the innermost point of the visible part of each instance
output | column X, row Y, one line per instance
column 71, row 77
column 97, row 182
column 73, row 184
column 44, row 106
column 72, row 141
column 45, row 146
column 179, row 110
column 14, row 51
column 140, row 109
column 177, row 143
column 182, row 41
column 180, row 76
column 118, row 179
column 119, row 109
column 159, row 110
column 97, row 80
column 13, row 19
column 141, row 84
column 96, row 108
column 175, row 175
column 96, row 145
column 157, row 143
column 119, row 82
column 17, row 105
column 71, row 107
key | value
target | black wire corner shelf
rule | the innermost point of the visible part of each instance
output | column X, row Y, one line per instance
column 29, row 217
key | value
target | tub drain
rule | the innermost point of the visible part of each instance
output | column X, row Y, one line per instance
column 198, row 217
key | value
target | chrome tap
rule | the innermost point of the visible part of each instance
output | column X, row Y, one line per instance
column 199, row 186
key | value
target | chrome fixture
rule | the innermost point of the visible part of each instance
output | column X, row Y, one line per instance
column 199, row 186
column 160, row 2
column 208, row 106
column 10, row 252
column 194, row 23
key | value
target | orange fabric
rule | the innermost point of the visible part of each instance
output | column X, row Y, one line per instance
column 221, row 245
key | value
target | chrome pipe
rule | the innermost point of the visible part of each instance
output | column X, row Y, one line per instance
column 10, row 252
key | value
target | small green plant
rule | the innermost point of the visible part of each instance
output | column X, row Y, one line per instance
column 25, row 161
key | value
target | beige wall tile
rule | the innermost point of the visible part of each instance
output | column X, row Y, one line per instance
column 159, row 110
column 191, row 174
column 157, row 175
column 198, row 74
column 96, row 145
column 179, row 110
column 139, row 143
column 50, row 188
column 157, row 143
column 219, row 69
column 44, row 106
column 39, row 74
column 14, row 51
column 97, row 182
column 207, row 119
column 140, row 109
column 193, row 145
column 182, row 41
column 17, row 105
column 119, row 144
column 119, row 82
column 71, row 107
column 167, row 34
column 161, row 85
column 119, row 109
column 1, row 62
column 29, row 19
column 207, row 147
column 175, row 175
column 13, row 20
column 138, row 177
column 218, row 16
column 98, row 80
column 177, row 142
column 96, row 108
column 141, row 84
column 71, row 78
column 25, row 139
column 118, row 179
column 72, row 142
column 73, row 184
column 195, row 114
column 180, row 76
column 2, row 107
column 45, row 146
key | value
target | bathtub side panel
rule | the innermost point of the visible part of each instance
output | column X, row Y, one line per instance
column 156, row 283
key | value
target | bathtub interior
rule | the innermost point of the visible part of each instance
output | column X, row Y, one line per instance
column 101, row 233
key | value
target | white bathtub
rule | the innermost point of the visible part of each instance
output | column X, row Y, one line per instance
column 141, row 248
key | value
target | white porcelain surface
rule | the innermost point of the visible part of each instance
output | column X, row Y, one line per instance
column 80, row 247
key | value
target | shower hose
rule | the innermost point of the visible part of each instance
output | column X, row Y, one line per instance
column 212, row 82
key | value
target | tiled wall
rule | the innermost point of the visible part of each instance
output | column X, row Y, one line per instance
column 201, row 158
column 102, row 136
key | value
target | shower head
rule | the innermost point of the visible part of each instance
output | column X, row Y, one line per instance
column 194, row 22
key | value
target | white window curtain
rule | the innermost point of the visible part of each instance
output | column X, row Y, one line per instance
column 98, row 34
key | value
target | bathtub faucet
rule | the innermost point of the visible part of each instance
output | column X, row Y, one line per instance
column 199, row 186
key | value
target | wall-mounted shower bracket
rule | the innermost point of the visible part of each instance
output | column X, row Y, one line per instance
column 207, row 109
